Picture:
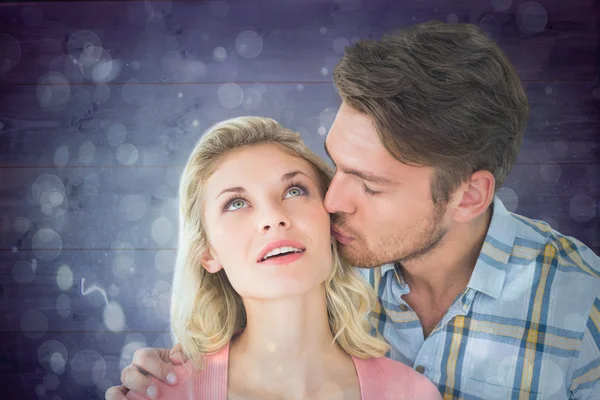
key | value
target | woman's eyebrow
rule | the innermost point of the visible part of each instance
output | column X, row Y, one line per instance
column 285, row 177
column 237, row 189
column 291, row 175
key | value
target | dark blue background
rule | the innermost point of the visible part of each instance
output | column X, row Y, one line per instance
column 100, row 103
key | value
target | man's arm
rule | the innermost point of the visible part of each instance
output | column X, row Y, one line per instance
column 585, row 384
column 149, row 366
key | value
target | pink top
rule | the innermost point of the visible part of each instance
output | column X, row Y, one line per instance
column 378, row 378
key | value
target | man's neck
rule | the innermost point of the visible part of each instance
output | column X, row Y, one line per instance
column 448, row 268
column 438, row 278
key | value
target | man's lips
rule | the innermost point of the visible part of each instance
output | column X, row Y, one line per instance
column 341, row 238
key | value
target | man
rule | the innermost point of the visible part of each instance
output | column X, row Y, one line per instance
column 485, row 303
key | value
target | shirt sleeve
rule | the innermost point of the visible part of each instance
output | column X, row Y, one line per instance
column 585, row 383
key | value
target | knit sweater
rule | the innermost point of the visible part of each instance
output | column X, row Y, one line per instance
column 378, row 378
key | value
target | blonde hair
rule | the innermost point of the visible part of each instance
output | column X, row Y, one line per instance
column 205, row 309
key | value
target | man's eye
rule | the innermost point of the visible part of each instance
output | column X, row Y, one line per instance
column 369, row 191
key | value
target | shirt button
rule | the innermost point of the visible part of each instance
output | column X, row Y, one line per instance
column 420, row 369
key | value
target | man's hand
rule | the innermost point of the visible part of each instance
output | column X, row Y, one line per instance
column 149, row 366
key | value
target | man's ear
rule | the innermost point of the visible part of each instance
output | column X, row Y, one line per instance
column 210, row 262
column 474, row 197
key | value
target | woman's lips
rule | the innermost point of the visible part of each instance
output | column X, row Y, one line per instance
column 282, row 260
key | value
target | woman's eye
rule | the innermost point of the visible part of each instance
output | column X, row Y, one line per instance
column 295, row 191
column 236, row 205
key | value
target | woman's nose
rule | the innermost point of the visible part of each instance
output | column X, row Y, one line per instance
column 274, row 220
column 282, row 224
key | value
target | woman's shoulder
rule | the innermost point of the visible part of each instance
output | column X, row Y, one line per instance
column 399, row 380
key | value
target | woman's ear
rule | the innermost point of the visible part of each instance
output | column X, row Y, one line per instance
column 210, row 262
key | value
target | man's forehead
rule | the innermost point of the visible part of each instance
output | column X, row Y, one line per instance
column 353, row 142
column 355, row 151
column 354, row 129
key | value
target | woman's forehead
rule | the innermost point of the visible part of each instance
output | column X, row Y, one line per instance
column 261, row 162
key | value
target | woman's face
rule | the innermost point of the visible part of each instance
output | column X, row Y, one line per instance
column 261, row 201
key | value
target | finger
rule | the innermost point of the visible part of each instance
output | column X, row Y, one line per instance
column 116, row 393
column 150, row 361
column 177, row 355
column 136, row 381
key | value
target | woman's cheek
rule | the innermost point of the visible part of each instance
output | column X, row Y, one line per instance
column 315, row 216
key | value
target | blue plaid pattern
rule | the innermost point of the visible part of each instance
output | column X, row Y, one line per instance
column 526, row 327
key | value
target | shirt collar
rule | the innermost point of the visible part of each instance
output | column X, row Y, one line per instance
column 490, row 270
column 392, row 268
column 387, row 267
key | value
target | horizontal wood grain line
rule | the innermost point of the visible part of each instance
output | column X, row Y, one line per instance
column 37, row 2
column 129, row 331
column 9, row 3
column 23, row 249
column 73, row 167
column 115, row 83
column 593, row 248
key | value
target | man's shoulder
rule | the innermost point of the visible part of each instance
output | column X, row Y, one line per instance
column 566, row 253
column 554, row 271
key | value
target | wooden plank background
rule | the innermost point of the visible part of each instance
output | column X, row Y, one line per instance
column 101, row 101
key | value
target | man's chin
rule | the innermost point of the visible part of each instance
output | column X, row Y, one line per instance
column 352, row 257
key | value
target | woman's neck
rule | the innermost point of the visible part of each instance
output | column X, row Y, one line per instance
column 287, row 345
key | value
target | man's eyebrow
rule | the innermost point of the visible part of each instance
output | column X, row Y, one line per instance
column 368, row 176
column 364, row 175
column 285, row 177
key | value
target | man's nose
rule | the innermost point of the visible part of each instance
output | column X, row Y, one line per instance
column 336, row 201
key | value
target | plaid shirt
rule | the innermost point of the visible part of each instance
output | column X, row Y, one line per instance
column 526, row 327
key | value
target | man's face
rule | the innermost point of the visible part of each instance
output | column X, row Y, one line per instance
column 382, row 210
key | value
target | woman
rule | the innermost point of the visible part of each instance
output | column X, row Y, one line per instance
column 261, row 303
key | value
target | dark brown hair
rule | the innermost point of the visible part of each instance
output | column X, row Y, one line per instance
column 440, row 95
